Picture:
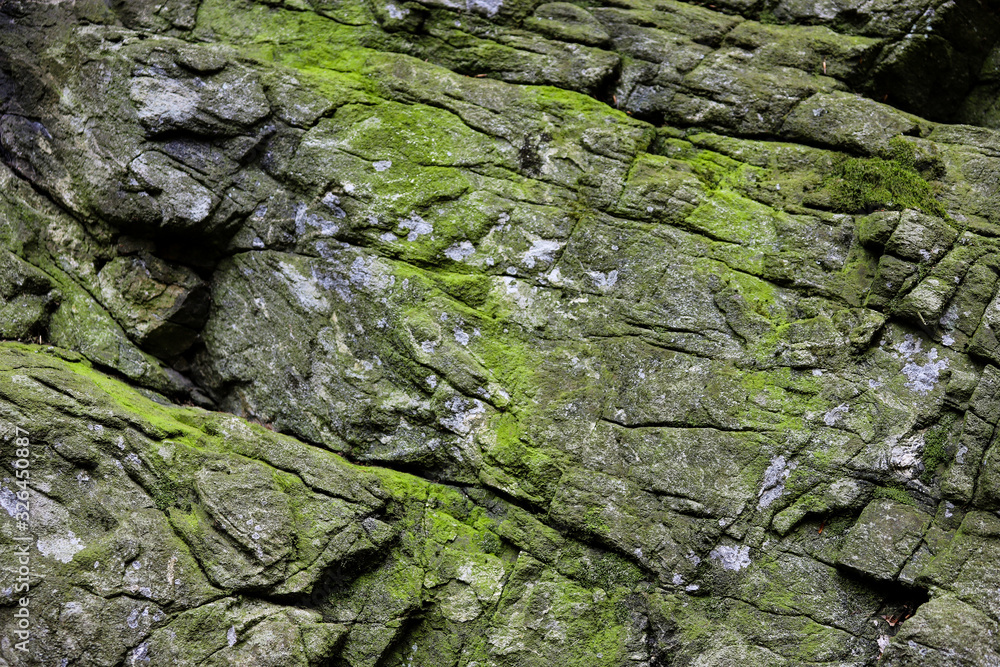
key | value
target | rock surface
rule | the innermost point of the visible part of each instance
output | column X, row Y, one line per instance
column 500, row 332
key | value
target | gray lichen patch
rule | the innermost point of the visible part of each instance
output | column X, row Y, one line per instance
column 731, row 558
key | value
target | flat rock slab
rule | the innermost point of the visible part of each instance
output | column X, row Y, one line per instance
column 884, row 537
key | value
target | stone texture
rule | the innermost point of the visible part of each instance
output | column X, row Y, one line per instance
column 501, row 332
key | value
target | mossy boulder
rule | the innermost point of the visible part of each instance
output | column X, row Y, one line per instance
column 500, row 332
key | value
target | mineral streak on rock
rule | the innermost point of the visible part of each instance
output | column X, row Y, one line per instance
column 501, row 333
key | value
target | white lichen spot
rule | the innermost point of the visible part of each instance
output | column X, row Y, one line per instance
column 817, row 372
column 389, row 237
column 326, row 227
column 432, row 380
column 418, row 227
column 465, row 412
column 231, row 635
column 774, row 480
column 461, row 337
column 359, row 274
column 382, row 165
column 332, row 202
column 139, row 654
column 909, row 347
column 487, row 7
column 540, row 251
column 904, row 457
column 950, row 317
column 948, row 340
column 604, row 281
column 8, row 501
column 831, row 417
column 428, row 346
column 61, row 548
column 303, row 288
column 460, row 251
column 731, row 558
column 678, row 579
column 397, row 13
column 923, row 378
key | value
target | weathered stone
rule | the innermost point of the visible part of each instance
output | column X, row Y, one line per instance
column 561, row 20
column 847, row 122
column 596, row 297
column 161, row 307
column 883, row 538
column 945, row 631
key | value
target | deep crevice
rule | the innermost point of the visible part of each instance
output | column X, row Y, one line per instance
column 900, row 600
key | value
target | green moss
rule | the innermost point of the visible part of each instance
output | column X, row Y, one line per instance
column 512, row 451
column 783, row 391
column 935, row 452
column 169, row 493
column 894, row 492
column 902, row 152
column 822, row 458
column 156, row 420
column 866, row 184
column 767, row 17
column 730, row 217
column 758, row 294
column 612, row 571
column 472, row 290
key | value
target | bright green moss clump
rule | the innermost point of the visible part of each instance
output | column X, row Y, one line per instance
column 896, row 493
column 935, row 448
column 870, row 184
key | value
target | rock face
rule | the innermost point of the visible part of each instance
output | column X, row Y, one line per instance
column 500, row 333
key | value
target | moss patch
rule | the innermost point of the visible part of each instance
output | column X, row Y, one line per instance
column 870, row 184
column 935, row 452
column 895, row 492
